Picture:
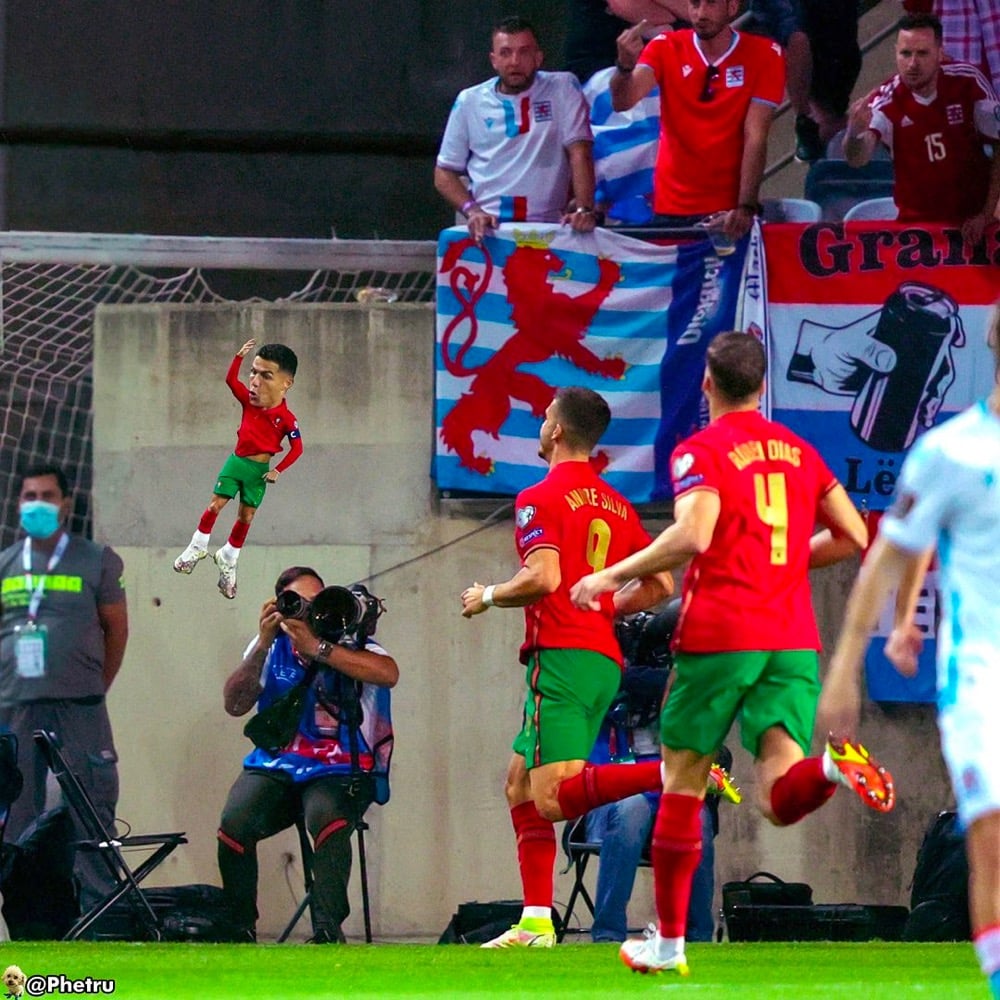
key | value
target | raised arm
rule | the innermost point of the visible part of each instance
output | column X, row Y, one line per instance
column 861, row 140
column 242, row 687
column 361, row 664
column 656, row 13
column 630, row 82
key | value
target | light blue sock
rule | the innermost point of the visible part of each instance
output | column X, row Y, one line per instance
column 995, row 984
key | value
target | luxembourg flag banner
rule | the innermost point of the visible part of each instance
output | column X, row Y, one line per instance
column 536, row 307
column 876, row 332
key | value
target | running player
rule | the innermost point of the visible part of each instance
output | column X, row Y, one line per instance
column 947, row 497
column 747, row 496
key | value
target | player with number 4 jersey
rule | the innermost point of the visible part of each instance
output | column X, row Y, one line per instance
column 747, row 497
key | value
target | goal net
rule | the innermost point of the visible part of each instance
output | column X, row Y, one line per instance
column 52, row 283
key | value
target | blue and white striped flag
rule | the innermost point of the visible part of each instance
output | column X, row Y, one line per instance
column 537, row 307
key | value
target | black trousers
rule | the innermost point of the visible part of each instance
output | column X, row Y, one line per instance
column 260, row 805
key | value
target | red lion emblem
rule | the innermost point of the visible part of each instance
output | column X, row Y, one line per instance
column 547, row 324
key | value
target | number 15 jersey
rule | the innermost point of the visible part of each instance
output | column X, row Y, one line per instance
column 590, row 525
column 749, row 590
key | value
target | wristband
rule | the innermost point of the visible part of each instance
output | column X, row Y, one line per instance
column 752, row 207
column 624, row 70
column 584, row 211
column 487, row 597
column 468, row 207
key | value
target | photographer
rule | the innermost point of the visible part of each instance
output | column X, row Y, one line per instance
column 334, row 764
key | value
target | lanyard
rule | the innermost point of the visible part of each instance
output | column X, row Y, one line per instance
column 39, row 588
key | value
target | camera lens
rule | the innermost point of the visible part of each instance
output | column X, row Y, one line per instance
column 291, row 605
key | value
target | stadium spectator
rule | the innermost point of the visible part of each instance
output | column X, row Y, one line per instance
column 820, row 38
column 718, row 91
column 313, row 775
column 971, row 33
column 946, row 498
column 564, row 524
column 523, row 139
column 747, row 495
column 63, row 632
column 934, row 117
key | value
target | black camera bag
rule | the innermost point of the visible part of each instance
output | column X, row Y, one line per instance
column 275, row 727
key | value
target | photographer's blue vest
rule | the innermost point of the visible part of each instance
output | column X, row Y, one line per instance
column 326, row 742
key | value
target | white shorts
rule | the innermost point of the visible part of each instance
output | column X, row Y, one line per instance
column 970, row 742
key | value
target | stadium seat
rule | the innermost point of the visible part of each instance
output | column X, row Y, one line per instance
column 305, row 846
column 579, row 851
column 790, row 210
column 835, row 186
column 873, row 208
column 108, row 845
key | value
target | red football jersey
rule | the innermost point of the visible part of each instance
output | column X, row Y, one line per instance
column 750, row 589
column 262, row 431
column 590, row 525
column 942, row 173
column 701, row 141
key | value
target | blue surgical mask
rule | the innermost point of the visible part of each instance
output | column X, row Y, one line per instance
column 39, row 518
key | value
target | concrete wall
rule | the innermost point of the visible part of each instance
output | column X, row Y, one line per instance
column 360, row 503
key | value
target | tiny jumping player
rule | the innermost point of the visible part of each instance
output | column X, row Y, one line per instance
column 266, row 422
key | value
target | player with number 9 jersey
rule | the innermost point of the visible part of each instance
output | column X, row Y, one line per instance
column 750, row 588
column 590, row 525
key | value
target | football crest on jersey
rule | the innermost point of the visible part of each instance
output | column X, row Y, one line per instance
column 682, row 465
column 542, row 110
column 734, row 76
column 523, row 516
column 955, row 114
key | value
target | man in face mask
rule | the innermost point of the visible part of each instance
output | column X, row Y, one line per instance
column 63, row 630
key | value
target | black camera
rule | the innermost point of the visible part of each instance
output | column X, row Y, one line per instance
column 336, row 612
column 645, row 638
column 292, row 605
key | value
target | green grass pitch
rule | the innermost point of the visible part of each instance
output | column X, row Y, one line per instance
column 871, row 971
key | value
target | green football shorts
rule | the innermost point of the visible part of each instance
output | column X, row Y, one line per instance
column 569, row 693
column 242, row 476
column 709, row 691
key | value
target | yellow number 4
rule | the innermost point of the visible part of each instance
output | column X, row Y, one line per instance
column 772, row 509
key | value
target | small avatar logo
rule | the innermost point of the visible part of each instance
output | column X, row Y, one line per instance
column 524, row 516
column 14, row 980
column 683, row 464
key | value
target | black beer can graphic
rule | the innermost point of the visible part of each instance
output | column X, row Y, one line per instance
column 921, row 324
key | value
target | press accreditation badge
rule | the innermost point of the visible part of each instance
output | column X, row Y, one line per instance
column 29, row 648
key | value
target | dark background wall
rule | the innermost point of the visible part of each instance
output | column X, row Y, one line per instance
column 364, row 85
